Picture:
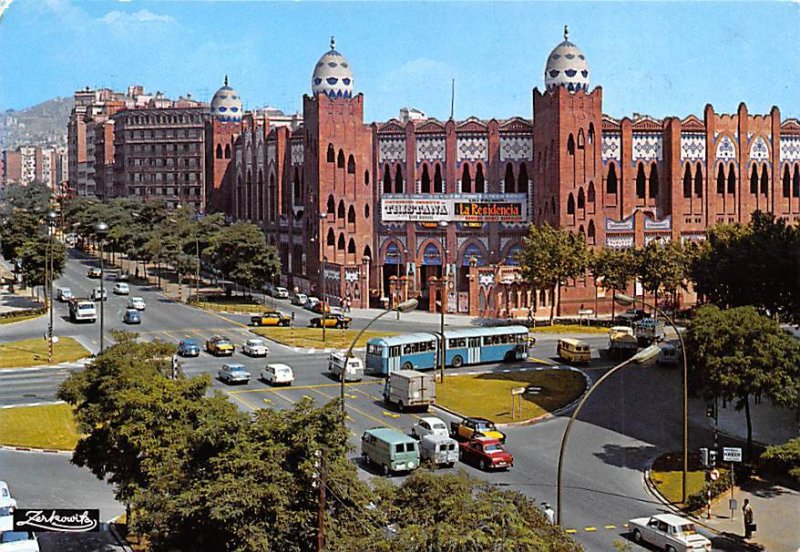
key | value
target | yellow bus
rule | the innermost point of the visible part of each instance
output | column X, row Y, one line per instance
column 573, row 350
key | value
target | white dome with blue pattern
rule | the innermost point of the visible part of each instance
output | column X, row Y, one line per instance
column 567, row 67
column 332, row 75
column 226, row 106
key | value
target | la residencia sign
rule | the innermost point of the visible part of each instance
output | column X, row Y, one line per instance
column 455, row 208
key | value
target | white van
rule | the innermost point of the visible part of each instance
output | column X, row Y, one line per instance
column 277, row 374
column 354, row 371
column 668, row 355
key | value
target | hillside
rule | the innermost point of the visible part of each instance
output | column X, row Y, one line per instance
column 44, row 123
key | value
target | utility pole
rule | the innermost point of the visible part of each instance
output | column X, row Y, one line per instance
column 319, row 481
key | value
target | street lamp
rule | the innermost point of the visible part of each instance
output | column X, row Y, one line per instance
column 642, row 356
column 322, row 260
column 623, row 299
column 405, row 306
column 442, row 290
column 101, row 230
column 51, row 230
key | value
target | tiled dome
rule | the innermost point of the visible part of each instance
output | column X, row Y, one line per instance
column 226, row 105
column 332, row 75
column 567, row 67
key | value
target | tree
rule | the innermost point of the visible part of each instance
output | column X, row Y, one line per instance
column 617, row 267
column 784, row 458
column 737, row 353
column 241, row 253
column 16, row 229
column 551, row 256
column 35, row 254
column 33, row 198
column 661, row 265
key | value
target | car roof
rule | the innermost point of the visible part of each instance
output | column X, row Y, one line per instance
column 437, row 438
column 572, row 341
column 432, row 419
column 189, row 341
column 672, row 519
column 132, row 311
column 137, row 298
column 391, row 436
column 255, row 340
column 477, row 419
column 235, row 366
column 279, row 366
column 4, row 490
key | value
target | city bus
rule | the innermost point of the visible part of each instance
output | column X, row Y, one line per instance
column 421, row 350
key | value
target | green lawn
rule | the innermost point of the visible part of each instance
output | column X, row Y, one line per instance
column 12, row 319
column 48, row 426
column 667, row 476
column 33, row 352
column 235, row 303
column 312, row 337
column 489, row 395
column 570, row 329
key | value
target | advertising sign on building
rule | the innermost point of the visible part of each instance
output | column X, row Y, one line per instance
column 455, row 208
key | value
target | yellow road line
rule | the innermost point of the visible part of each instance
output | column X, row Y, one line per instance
column 571, row 531
column 317, row 386
column 541, row 361
column 241, row 400
column 287, row 399
column 590, row 529
column 234, row 322
column 368, row 416
column 609, row 527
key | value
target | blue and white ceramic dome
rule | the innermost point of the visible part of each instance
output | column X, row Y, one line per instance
column 332, row 75
column 226, row 105
column 567, row 67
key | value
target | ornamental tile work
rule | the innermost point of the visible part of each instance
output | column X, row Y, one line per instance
column 619, row 226
column 516, row 148
column 693, row 146
column 430, row 148
column 619, row 242
column 661, row 238
column 297, row 154
column 392, row 149
column 759, row 150
column 647, row 146
column 651, row 224
column 472, row 147
column 790, row 148
column 726, row 150
column 612, row 147
column 485, row 279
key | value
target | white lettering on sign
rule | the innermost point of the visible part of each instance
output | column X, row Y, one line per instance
column 731, row 454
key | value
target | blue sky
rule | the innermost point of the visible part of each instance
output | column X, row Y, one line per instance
column 655, row 58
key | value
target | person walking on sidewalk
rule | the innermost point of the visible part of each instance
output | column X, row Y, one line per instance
column 747, row 510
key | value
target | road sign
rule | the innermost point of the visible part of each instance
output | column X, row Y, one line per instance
column 714, row 475
column 731, row 454
column 518, row 391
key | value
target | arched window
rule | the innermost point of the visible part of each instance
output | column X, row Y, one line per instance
column 331, row 205
column 590, row 233
column 582, row 232
column 553, row 205
column 591, row 133
column 367, row 252
column 331, row 154
column 219, row 151
column 366, row 178
column 472, row 251
column 437, row 179
column 509, row 185
column 297, row 187
column 340, row 161
column 480, row 183
column 398, row 180
column 687, row 181
column 698, row 180
column 366, row 210
column 653, row 181
column 786, row 181
column 351, row 214
column 272, row 194
column 796, row 182
column 731, row 179
column 571, row 145
column 227, row 151
column 721, row 180
column 512, row 259
column 351, row 165
column 590, row 193
column 764, row 180
column 387, row 180
column 581, row 199
column 351, row 246
column 611, row 180
column 640, row 181
column 340, row 245
column 571, row 205
column 466, row 180
column 581, row 140
column 426, row 180
column 331, row 240
column 522, row 179
column 754, row 180
column 340, row 210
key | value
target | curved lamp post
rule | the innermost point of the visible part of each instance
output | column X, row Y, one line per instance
column 443, row 224
column 642, row 356
column 51, row 230
column 322, row 262
column 623, row 299
column 101, row 230
column 405, row 306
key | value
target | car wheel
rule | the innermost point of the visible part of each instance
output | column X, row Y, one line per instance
column 451, row 464
column 458, row 362
column 365, row 458
column 510, row 357
column 256, row 323
column 485, row 465
column 400, row 406
column 670, row 549
column 637, row 536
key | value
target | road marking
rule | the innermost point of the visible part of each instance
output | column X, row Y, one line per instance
column 590, row 529
column 390, row 415
column 241, row 400
column 540, row 361
column 287, row 399
column 366, row 415
column 609, row 527
column 317, row 386
column 625, row 525
column 234, row 322
column 571, row 531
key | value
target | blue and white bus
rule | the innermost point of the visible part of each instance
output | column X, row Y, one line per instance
column 420, row 351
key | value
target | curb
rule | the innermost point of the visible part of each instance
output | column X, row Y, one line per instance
column 80, row 363
column 308, row 350
column 28, row 405
column 36, row 450
column 112, row 528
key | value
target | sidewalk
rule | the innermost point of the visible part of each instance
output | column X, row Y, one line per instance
column 771, row 424
column 776, row 511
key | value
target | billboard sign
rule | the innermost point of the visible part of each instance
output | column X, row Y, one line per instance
column 455, row 208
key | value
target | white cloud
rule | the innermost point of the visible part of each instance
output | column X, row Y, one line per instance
column 141, row 16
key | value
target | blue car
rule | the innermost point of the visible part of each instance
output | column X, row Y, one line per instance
column 188, row 347
column 132, row 316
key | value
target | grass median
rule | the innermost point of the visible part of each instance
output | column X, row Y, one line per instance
column 223, row 303
column 33, row 352
column 312, row 337
column 22, row 318
column 49, row 426
column 569, row 329
column 667, row 475
column 489, row 395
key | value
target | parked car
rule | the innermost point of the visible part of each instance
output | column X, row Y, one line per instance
column 94, row 272
column 132, row 316
column 429, row 425
column 97, row 293
column 124, row 276
column 317, row 308
column 64, row 294
column 486, row 453
column 277, row 374
column 19, row 541
column 188, row 347
column 669, row 355
column 255, row 348
column 281, row 293
column 310, row 302
column 233, row 373
column 439, row 450
column 272, row 318
column 121, row 288
column 219, row 346
column 299, row 299
column 71, row 239
column 470, row 428
column 331, row 321
column 668, row 532
column 136, row 303
column 7, row 507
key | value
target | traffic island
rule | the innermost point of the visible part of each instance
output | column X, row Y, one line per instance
column 49, row 427
column 539, row 392
column 33, row 352
column 233, row 304
column 312, row 337
column 666, row 476
column 572, row 329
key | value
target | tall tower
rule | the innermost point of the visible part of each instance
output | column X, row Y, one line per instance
column 337, row 173
column 222, row 130
column 567, row 145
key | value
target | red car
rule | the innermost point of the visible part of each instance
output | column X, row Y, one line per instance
column 488, row 454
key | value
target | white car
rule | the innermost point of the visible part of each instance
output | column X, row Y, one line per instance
column 276, row 374
column 64, row 294
column 668, row 532
column 19, row 541
column 255, row 348
column 299, row 299
column 233, row 373
column 136, row 303
column 429, row 425
column 98, row 292
column 280, row 293
column 121, row 288
column 7, row 507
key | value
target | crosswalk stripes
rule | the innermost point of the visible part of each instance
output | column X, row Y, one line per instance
column 593, row 529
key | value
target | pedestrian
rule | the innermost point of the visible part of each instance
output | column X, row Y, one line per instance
column 749, row 526
column 549, row 513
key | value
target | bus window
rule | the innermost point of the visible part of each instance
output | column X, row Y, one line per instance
column 407, row 349
column 394, row 351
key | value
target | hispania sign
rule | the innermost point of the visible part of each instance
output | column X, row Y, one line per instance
column 455, row 208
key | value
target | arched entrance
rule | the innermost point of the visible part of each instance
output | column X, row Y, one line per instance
column 431, row 266
column 393, row 263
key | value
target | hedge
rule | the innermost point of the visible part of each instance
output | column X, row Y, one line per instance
column 23, row 313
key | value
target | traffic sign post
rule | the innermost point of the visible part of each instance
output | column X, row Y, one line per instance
column 732, row 454
column 516, row 399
